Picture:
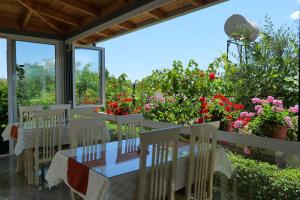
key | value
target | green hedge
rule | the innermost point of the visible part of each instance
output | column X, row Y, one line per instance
column 257, row 180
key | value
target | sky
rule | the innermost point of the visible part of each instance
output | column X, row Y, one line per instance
column 199, row 36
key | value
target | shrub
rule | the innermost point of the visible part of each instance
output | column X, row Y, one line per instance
column 263, row 181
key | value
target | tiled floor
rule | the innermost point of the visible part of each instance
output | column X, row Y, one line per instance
column 14, row 187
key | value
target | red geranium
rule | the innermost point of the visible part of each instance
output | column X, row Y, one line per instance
column 212, row 76
column 202, row 99
column 200, row 120
column 114, row 104
column 227, row 108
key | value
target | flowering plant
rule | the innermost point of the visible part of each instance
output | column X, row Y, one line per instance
column 218, row 108
column 270, row 117
column 122, row 106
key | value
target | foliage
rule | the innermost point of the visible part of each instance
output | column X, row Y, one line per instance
column 3, row 104
column 263, row 181
column 36, row 83
column 271, row 68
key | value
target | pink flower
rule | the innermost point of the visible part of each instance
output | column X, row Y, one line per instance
column 257, row 107
column 264, row 102
column 260, row 111
column 247, row 151
column 244, row 114
column 238, row 124
column 278, row 103
column 256, row 100
column 270, row 99
column 277, row 109
column 147, row 107
column 251, row 114
column 294, row 109
column 288, row 121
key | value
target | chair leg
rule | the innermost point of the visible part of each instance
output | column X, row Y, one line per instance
column 72, row 195
column 29, row 158
column 36, row 174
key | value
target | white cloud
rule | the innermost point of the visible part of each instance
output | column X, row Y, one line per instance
column 295, row 15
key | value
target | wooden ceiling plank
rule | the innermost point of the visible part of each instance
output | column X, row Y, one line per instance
column 127, row 25
column 157, row 14
column 80, row 6
column 27, row 4
column 55, row 14
column 26, row 18
column 197, row 3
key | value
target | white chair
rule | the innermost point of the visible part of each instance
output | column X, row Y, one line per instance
column 47, row 138
column 83, row 113
column 163, row 150
column 87, row 132
column 131, row 126
column 27, row 115
column 60, row 106
column 199, row 184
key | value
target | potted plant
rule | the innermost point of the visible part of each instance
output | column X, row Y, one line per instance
column 271, row 120
column 219, row 108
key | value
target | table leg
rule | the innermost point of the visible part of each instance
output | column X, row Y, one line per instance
column 29, row 156
column 20, row 163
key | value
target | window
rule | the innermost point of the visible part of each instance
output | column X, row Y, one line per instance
column 88, row 76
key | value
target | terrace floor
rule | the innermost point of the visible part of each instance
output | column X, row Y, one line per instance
column 14, row 187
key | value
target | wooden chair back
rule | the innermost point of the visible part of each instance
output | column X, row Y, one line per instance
column 201, row 162
column 162, row 158
column 129, row 126
column 87, row 132
column 47, row 137
column 82, row 113
column 27, row 115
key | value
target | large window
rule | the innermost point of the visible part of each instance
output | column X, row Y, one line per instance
column 88, row 76
column 35, row 73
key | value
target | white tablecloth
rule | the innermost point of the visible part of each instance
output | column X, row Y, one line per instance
column 25, row 137
column 123, row 187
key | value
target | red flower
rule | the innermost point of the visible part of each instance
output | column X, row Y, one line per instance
column 108, row 111
column 239, row 106
column 203, row 105
column 229, row 117
column 114, row 104
column 202, row 99
column 128, row 100
column 227, row 108
column 200, row 120
column 212, row 76
column 97, row 109
column 221, row 103
column 204, row 111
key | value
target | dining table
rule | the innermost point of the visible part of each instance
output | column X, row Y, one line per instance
column 110, row 171
column 23, row 137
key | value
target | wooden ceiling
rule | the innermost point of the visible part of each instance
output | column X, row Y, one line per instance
column 66, row 19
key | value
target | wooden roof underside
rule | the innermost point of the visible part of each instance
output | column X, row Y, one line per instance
column 88, row 21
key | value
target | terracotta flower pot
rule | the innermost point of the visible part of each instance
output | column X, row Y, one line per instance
column 281, row 133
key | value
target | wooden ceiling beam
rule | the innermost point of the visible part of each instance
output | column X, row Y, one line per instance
column 127, row 25
column 80, row 6
column 197, row 3
column 26, row 18
column 157, row 14
column 27, row 4
column 106, row 33
column 55, row 14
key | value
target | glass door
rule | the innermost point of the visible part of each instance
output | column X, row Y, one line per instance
column 4, row 146
column 35, row 73
column 88, row 76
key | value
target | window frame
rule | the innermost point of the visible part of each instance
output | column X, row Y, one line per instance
column 101, row 77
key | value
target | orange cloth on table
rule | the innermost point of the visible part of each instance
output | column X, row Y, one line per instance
column 14, row 132
column 78, row 176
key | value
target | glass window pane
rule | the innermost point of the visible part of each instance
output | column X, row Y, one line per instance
column 35, row 73
column 87, row 76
